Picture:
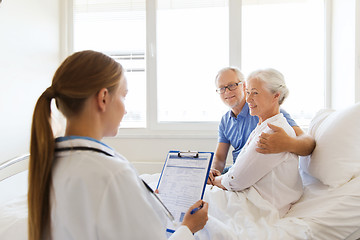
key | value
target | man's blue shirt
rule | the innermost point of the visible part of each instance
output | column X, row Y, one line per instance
column 235, row 130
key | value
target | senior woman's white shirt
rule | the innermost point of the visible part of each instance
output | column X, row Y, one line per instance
column 96, row 196
column 274, row 176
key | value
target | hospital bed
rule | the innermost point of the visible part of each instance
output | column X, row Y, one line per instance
column 328, row 209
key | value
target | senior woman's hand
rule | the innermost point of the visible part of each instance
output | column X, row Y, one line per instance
column 212, row 174
column 217, row 182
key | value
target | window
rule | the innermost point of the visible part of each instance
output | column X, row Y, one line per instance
column 117, row 28
column 277, row 35
column 172, row 50
column 192, row 45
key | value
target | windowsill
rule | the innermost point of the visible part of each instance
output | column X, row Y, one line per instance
column 172, row 134
column 165, row 134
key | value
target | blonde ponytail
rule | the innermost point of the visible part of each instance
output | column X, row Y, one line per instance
column 79, row 77
column 40, row 168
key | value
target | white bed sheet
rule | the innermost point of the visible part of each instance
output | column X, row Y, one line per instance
column 13, row 207
column 13, row 219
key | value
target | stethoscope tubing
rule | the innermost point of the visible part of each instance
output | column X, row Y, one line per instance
column 83, row 148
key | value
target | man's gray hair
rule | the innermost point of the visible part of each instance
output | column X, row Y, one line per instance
column 236, row 70
column 274, row 81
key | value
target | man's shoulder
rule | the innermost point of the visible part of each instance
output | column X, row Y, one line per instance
column 226, row 117
column 289, row 119
column 233, row 123
column 282, row 122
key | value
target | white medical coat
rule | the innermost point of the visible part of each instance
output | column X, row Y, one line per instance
column 95, row 196
column 274, row 176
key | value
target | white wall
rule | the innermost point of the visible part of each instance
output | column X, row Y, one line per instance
column 148, row 154
column 29, row 55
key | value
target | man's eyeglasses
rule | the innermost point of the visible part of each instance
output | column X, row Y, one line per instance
column 231, row 87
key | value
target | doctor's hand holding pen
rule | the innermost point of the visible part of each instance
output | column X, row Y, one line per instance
column 197, row 216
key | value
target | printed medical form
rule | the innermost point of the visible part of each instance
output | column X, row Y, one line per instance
column 182, row 182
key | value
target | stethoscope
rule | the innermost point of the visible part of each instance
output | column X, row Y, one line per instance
column 83, row 148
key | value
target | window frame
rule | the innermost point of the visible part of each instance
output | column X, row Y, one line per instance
column 184, row 129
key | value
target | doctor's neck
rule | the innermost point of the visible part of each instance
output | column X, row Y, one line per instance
column 83, row 130
column 85, row 125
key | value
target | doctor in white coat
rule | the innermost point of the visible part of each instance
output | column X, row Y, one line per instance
column 80, row 188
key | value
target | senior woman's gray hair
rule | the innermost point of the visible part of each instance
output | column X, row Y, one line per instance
column 274, row 81
column 237, row 71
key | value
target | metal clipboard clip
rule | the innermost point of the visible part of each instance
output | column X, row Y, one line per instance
column 193, row 154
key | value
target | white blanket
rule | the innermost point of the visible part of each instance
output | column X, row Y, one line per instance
column 246, row 215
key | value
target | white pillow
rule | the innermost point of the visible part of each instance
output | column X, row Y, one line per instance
column 336, row 157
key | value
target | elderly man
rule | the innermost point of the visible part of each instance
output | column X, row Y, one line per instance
column 237, row 124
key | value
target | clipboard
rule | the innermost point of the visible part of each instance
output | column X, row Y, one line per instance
column 182, row 182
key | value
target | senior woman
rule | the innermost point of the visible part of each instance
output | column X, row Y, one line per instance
column 274, row 176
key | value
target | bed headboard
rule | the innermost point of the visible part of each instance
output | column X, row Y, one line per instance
column 14, row 166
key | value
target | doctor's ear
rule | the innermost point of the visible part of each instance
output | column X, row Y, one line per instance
column 102, row 98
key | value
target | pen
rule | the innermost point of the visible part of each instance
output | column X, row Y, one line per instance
column 196, row 209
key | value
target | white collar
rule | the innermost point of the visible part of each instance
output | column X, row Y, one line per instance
column 69, row 143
